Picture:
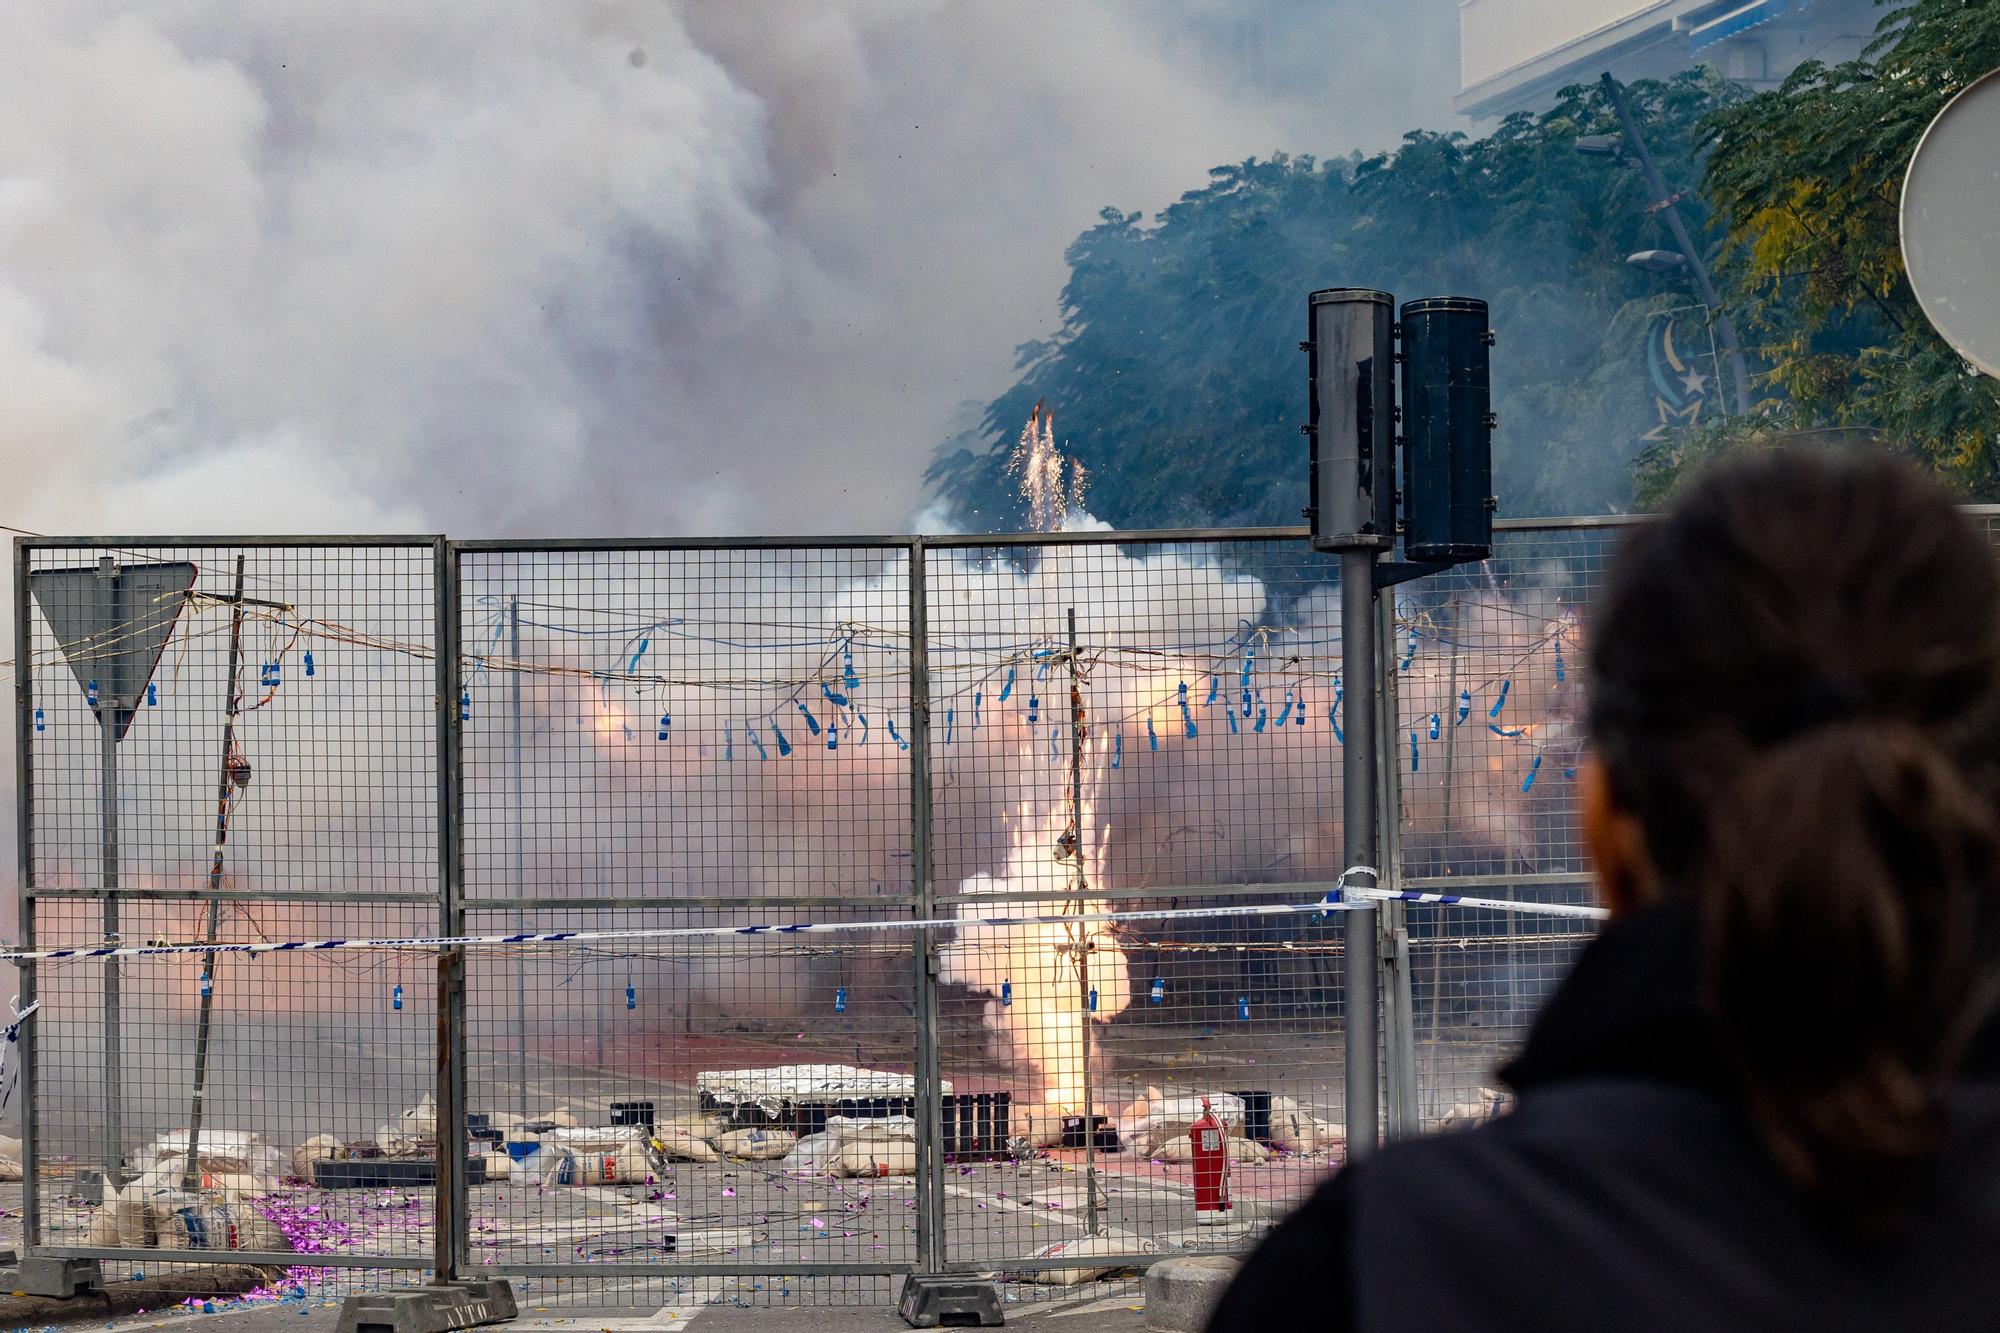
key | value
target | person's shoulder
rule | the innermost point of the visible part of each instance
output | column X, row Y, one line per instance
column 1627, row 1127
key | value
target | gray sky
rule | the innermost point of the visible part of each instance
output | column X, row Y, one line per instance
column 549, row 267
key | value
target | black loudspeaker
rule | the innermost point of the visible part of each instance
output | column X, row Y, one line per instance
column 1352, row 429
column 1447, row 430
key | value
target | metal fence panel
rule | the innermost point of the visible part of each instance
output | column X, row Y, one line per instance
column 675, row 736
column 1135, row 725
column 1489, row 664
column 530, row 736
column 305, row 807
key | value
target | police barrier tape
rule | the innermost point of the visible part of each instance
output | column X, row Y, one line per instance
column 1340, row 899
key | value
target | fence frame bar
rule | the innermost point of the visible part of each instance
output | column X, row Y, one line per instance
column 24, row 813
column 451, row 1202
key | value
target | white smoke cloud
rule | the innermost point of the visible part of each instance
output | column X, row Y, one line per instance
column 526, row 268
column 518, row 268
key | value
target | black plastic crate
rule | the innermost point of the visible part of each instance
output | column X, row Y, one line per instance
column 632, row 1113
column 975, row 1124
column 358, row 1173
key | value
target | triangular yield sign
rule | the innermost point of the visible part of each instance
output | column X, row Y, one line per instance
column 112, row 622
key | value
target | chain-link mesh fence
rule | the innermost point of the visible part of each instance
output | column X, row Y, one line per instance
column 702, row 735
column 1488, row 671
column 224, row 741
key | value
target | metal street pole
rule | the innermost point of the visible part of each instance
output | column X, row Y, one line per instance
column 1725, row 329
column 114, row 1055
column 1357, row 773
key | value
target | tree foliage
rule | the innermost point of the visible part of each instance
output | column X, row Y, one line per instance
column 1806, row 181
column 1175, row 375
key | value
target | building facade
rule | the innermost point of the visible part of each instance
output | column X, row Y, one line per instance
column 1514, row 55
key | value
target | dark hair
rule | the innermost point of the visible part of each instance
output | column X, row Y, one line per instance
column 1796, row 692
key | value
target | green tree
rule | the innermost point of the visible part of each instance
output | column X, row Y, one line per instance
column 1175, row 376
column 1806, row 182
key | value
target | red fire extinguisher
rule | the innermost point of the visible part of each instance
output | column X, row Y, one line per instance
column 1211, row 1168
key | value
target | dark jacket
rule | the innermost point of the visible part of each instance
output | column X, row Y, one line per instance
column 1625, row 1192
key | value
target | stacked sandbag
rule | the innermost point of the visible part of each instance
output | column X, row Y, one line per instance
column 1296, row 1130
column 596, row 1155
column 10, row 1158
column 1491, row 1102
column 125, row 1218
column 1181, row 1149
column 688, row 1138
column 756, row 1144
column 413, row 1133
column 236, row 1154
column 1158, row 1122
column 230, row 1163
column 1036, row 1126
column 877, row 1155
column 318, row 1148
column 199, row 1222
column 569, row 1167
column 858, row 1146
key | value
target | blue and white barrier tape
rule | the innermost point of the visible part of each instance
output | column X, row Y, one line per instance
column 660, row 933
column 1498, row 904
column 1339, row 898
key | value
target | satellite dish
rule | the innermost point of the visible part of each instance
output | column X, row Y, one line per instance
column 1951, row 223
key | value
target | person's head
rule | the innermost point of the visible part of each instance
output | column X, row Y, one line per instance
column 1795, row 719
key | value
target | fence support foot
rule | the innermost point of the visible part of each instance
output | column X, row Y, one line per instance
column 436, row 1309
column 50, row 1275
column 946, row 1302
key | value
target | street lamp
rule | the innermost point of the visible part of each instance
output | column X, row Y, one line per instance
column 1659, row 261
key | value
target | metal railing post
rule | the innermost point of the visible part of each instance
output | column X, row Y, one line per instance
column 1399, row 1055
column 451, row 1204
column 930, row 1100
column 24, row 812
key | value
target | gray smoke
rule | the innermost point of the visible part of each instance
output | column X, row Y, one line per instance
column 542, row 268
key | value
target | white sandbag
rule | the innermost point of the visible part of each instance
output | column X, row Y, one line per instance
column 597, row 1138
column 756, row 1145
column 220, row 1149
column 815, row 1152
column 1084, row 1248
column 10, row 1169
column 686, row 1139
column 421, row 1120
column 169, row 1174
column 1491, row 1102
column 103, row 1227
column 134, row 1214
column 394, row 1143
column 560, row 1166
column 1293, row 1128
column 499, row 1166
column 878, row 1155
column 318, row 1148
column 1037, row 1126
column 1240, row 1150
column 196, row 1222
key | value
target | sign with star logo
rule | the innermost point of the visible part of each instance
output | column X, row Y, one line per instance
column 1680, row 386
